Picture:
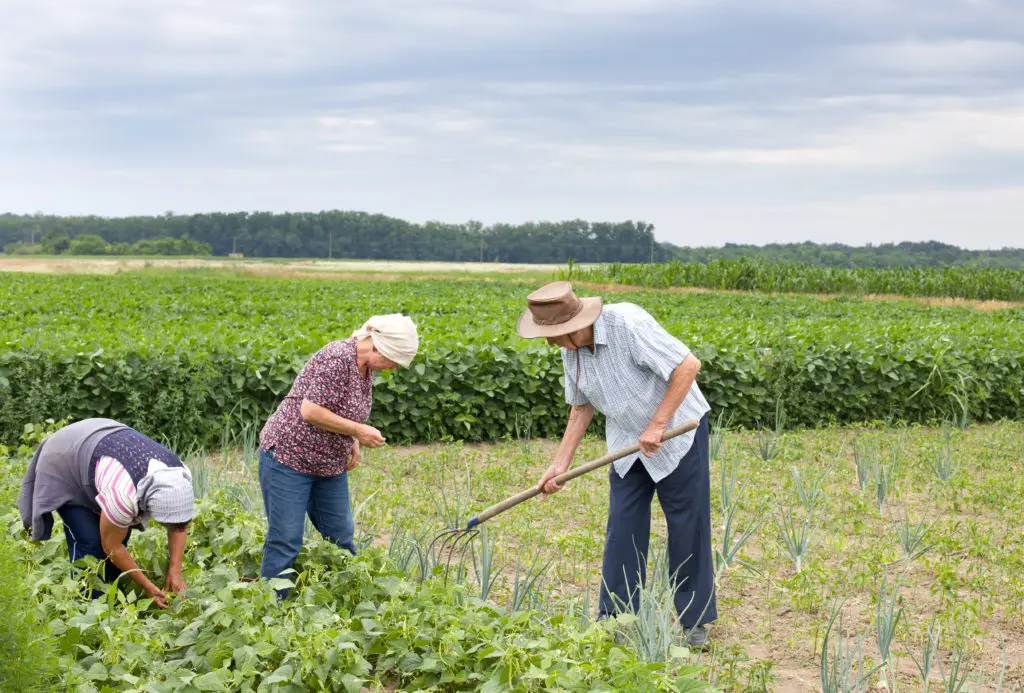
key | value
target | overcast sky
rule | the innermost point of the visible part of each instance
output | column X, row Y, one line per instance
column 745, row 121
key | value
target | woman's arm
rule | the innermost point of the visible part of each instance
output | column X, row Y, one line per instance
column 111, row 537
column 176, row 539
column 324, row 418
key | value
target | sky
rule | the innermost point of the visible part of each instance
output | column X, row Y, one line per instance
column 719, row 121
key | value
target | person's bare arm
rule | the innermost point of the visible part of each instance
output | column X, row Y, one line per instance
column 111, row 537
column 575, row 429
column 324, row 418
column 175, row 556
column 679, row 384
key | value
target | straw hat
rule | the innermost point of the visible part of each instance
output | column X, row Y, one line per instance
column 554, row 310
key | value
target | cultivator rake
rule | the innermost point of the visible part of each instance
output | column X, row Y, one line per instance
column 457, row 541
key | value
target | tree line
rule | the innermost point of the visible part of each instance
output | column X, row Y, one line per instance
column 58, row 242
column 360, row 235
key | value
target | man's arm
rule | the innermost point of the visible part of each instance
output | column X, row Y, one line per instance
column 575, row 429
column 679, row 385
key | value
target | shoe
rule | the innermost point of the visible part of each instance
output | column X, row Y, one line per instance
column 698, row 639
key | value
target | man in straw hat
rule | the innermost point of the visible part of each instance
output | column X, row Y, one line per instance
column 620, row 361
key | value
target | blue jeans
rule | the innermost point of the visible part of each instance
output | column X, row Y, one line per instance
column 685, row 497
column 82, row 532
column 288, row 496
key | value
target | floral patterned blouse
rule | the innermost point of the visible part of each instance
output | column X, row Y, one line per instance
column 331, row 379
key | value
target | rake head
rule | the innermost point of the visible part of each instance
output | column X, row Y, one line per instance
column 452, row 542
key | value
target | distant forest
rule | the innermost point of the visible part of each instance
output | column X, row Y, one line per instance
column 359, row 235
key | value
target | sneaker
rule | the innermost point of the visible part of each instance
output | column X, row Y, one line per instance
column 698, row 639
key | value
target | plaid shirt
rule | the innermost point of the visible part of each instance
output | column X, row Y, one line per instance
column 626, row 377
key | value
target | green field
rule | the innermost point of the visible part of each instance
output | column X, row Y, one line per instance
column 177, row 353
column 899, row 455
column 985, row 284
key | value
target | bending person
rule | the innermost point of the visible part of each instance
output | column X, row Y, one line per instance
column 313, row 439
column 617, row 359
column 105, row 479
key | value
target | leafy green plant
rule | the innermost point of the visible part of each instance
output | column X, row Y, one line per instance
column 842, row 661
column 865, row 456
column 887, row 618
column 943, row 463
column 27, row 662
column 734, row 540
column 654, row 630
column 911, row 536
column 809, row 487
column 767, row 443
column 929, row 653
column 755, row 274
column 797, row 535
column 178, row 358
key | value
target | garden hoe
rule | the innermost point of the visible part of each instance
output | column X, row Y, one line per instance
column 451, row 538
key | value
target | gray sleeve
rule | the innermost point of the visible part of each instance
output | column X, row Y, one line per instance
column 652, row 347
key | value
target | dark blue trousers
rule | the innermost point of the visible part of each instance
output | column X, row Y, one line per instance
column 685, row 497
column 82, row 532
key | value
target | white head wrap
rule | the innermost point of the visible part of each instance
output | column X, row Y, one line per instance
column 394, row 336
column 165, row 494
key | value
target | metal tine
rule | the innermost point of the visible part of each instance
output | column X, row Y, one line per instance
column 450, row 540
column 466, row 537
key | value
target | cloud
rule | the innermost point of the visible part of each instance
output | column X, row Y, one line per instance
column 509, row 110
column 957, row 56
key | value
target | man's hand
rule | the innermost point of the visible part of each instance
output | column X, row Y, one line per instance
column 157, row 595
column 547, row 481
column 650, row 441
column 354, row 461
column 369, row 436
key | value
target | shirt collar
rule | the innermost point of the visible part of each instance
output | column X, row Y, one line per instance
column 600, row 331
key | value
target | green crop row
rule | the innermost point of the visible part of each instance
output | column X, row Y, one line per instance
column 181, row 357
column 756, row 275
column 353, row 624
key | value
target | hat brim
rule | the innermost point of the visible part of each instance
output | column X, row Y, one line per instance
column 528, row 329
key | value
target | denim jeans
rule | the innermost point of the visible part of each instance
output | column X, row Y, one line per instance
column 288, row 496
column 82, row 532
column 685, row 497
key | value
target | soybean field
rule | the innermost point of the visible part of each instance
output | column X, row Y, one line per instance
column 867, row 494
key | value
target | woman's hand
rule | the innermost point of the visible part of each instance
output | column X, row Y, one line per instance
column 174, row 582
column 354, row 461
column 157, row 595
column 369, row 436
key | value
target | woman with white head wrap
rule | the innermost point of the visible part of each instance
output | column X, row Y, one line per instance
column 105, row 479
column 313, row 439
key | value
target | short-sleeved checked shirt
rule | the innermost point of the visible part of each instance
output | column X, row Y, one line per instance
column 626, row 377
column 332, row 380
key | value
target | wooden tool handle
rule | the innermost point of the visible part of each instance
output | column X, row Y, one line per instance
column 573, row 473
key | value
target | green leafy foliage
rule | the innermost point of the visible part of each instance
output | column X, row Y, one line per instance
column 353, row 624
column 26, row 648
column 754, row 274
column 176, row 355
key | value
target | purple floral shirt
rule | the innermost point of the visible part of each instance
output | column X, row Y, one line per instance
column 332, row 380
